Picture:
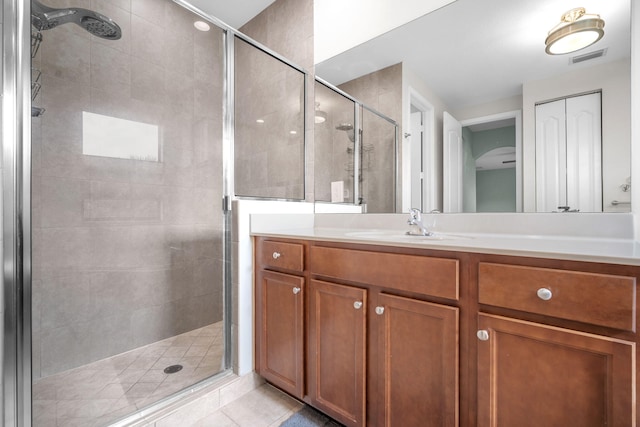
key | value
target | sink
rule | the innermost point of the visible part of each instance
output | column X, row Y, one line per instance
column 403, row 236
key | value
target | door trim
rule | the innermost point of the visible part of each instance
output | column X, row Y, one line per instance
column 429, row 156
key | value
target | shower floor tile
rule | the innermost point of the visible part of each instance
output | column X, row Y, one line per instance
column 101, row 392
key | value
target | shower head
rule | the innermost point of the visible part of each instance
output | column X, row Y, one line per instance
column 347, row 127
column 45, row 18
column 344, row 126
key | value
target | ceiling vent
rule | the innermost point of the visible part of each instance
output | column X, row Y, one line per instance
column 588, row 56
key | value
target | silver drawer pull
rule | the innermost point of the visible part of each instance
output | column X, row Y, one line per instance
column 544, row 294
column 379, row 310
column 483, row 335
column 296, row 290
column 357, row 305
column 276, row 255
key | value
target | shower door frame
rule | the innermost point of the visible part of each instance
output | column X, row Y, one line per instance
column 16, row 212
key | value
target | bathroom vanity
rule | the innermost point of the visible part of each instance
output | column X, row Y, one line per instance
column 394, row 332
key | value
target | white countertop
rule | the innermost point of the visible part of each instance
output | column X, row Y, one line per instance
column 565, row 237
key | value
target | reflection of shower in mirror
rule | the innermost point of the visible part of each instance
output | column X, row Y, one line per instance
column 348, row 128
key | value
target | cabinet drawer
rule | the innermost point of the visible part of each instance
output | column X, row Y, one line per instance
column 289, row 256
column 425, row 275
column 598, row 299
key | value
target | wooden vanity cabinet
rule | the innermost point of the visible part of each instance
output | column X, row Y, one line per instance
column 409, row 373
column 547, row 371
column 531, row 374
column 336, row 363
column 279, row 300
column 380, row 336
column 418, row 362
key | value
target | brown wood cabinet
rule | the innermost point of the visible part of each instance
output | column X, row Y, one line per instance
column 280, row 332
column 336, row 364
column 549, row 371
column 391, row 336
column 418, row 362
column 534, row 375
column 279, row 320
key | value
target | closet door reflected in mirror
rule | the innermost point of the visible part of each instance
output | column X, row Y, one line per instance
column 569, row 154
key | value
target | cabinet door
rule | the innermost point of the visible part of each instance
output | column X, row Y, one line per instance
column 536, row 375
column 337, row 345
column 418, row 354
column 279, row 329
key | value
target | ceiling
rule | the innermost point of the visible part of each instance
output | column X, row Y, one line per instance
column 472, row 52
column 235, row 13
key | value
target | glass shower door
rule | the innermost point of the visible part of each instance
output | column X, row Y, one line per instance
column 128, row 226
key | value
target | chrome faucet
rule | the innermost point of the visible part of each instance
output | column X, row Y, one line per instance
column 415, row 218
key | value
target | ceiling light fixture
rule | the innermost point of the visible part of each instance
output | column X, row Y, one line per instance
column 576, row 30
column 201, row 25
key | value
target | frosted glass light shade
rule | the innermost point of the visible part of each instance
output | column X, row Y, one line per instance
column 574, row 35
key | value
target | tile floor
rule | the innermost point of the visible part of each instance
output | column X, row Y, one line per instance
column 101, row 392
column 264, row 406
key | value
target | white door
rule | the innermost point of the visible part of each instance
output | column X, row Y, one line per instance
column 451, row 164
column 569, row 154
column 584, row 153
column 417, row 171
column 551, row 156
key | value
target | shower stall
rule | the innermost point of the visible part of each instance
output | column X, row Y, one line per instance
column 356, row 152
column 127, row 258
column 118, row 268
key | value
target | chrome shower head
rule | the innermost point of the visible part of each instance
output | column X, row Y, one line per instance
column 45, row 18
column 347, row 127
column 344, row 126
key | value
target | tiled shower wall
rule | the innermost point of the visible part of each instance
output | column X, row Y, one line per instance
column 126, row 252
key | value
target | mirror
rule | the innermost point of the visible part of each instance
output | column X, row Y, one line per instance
column 354, row 171
column 484, row 63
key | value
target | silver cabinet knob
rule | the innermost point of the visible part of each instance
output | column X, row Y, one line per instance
column 483, row 335
column 379, row 310
column 544, row 294
column 276, row 255
column 296, row 290
column 357, row 305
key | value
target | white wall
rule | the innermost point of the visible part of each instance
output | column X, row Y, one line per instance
column 614, row 81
